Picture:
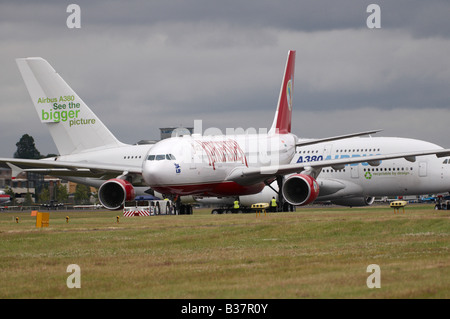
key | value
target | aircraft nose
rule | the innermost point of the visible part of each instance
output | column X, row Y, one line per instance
column 160, row 167
column 150, row 172
column 156, row 172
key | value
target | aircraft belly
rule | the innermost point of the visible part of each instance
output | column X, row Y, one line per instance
column 210, row 189
column 206, row 180
column 383, row 183
column 401, row 185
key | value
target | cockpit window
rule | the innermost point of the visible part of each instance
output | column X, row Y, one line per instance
column 446, row 161
column 161, row 157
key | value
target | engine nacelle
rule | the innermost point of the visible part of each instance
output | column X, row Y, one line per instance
column 300, row 189
column 354, row 201
column 113, row 193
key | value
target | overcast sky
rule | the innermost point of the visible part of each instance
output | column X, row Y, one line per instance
column 142, row 65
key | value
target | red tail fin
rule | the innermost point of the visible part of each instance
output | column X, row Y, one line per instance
column 282, row 121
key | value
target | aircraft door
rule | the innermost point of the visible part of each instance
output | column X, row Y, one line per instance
column 354, row 171
column 191, row 153
column 327, row 150
column 422, row 169
column 445, row 170
column 193, row 159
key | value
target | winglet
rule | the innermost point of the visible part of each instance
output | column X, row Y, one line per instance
column 15, row 170
column 282, row 121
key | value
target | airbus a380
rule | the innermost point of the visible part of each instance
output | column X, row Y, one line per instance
column 359, row 184
column 225, row 165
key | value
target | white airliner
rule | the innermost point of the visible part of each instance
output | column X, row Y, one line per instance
column 226, row 165
column 359, row 184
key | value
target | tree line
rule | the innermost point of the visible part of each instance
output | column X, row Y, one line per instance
column 26, row 149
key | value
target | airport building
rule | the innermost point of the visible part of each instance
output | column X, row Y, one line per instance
column 167, row 132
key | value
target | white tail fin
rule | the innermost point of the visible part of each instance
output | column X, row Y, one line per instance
column 72, row 124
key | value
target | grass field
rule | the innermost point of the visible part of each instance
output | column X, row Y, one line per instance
column 312, row 253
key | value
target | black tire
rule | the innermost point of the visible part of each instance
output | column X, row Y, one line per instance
column 168, row 209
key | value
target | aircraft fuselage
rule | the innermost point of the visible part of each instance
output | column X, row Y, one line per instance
column 425, row 175
column 200, row 165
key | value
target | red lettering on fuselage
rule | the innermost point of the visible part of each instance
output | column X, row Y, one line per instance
column 223, row 152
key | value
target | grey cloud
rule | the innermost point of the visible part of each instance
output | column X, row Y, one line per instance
column 428, row 18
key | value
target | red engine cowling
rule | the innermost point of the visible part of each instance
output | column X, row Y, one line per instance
column 113, row 193
column 300, row 189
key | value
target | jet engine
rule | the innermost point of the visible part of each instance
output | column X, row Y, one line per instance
column 113, row 193
column 300, row 189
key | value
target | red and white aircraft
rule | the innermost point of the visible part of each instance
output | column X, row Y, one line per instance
column 225, row 165
column 4, row 198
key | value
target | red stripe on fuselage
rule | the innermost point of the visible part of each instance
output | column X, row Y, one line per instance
column 211, row 189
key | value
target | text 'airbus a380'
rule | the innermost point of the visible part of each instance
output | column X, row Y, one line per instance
column 225, row 165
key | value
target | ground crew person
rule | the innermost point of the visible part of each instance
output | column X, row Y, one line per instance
column 236, row 204
column 273, row 204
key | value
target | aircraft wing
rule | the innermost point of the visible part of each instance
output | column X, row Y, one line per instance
column 334, row 138
column 64, row 168
column 251, row 175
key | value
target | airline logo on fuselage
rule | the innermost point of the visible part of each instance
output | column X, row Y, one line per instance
column 227, row 151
